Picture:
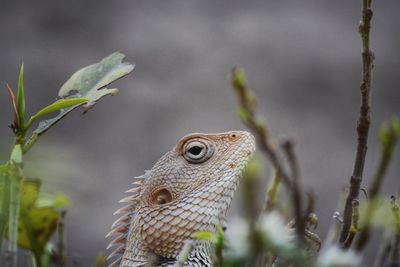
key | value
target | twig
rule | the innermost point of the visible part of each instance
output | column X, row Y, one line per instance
column 354, row 224
column 59, row 256
column 389, row 137
column 364, row 118
column 288, row 148
column 384, row 250
column 11, row 94
column 272, row 192
column 396, row 242
column 246, row 112
column 249, row 188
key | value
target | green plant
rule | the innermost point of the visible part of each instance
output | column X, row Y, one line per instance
column 29, row 219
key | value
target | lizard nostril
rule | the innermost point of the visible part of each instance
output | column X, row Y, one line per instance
column 233, row 137
column 161, row 196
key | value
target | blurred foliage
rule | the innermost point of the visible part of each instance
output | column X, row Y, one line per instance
column 28, row 218
column 264, row 238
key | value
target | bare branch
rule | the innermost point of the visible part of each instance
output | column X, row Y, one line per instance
column 389, row 136
column 364, row 118
column 288, row 148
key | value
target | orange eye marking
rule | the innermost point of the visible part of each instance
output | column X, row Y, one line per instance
column 161, row 196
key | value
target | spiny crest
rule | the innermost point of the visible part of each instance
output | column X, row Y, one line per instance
column 120, row 228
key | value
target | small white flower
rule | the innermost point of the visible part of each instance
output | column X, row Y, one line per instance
column 238, row 234
column 275, row 229
column 335, row 257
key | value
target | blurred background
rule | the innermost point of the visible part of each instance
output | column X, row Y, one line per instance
column 302, row 59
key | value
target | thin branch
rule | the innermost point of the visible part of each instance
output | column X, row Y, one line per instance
column 246, row 111
column 59, row 256
column 288, row 148
column 364, row 117
column 384, row 250
column 389, row 136
column 394, row 259
column 272, row 193
column 13, row 100
column 354, row 224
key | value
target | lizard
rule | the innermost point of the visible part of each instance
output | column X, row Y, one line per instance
column 189, row 189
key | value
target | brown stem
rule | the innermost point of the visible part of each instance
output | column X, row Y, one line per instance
column 364, row 118
column 60, row 258
column 288, row 148
column 389, row 136
column 247, row 105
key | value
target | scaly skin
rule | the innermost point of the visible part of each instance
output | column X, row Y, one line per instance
column 188, row 190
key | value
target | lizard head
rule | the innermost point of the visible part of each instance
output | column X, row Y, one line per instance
column 189, row 189
column 194, row 164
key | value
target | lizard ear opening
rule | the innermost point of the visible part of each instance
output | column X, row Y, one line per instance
column 161, row 196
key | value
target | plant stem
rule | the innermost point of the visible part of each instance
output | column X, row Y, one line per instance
column 13, row 221
column 288, row 148
column 384, row 250
column 364, row 118
column 247, row 103
column 272, row 192
column 60, row 255
column 30, row 142
column 31, row 259
column 389, row 140
column 4, row 209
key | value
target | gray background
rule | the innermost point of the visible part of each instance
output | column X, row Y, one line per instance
column 302, row 59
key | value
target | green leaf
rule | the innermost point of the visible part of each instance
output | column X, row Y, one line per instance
column 35, row 228
column 38, row 216
column 21, row 97
column 16, row 154
column 58, row 200
column 29, row 193
column 4, row 169
column 90, row 82
column 204, row 235
column 59, row 104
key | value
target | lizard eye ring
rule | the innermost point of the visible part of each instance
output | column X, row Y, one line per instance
column 197, row 151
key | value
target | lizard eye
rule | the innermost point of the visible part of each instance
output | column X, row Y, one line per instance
column 197, row 151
